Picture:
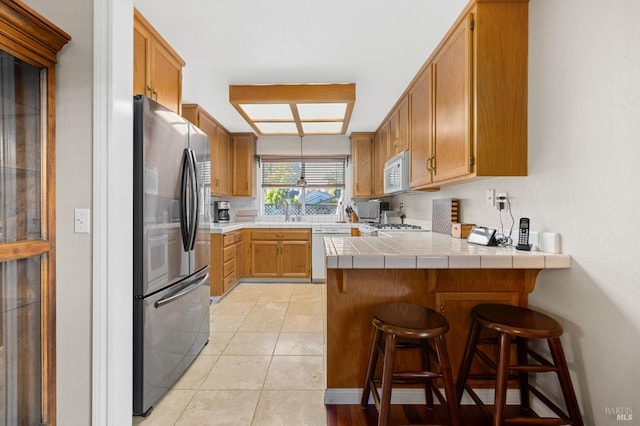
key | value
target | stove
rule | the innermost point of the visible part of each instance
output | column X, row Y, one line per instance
column 372, row 229
column 395, row 226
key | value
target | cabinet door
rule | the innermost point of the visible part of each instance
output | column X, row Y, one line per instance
column 420, row 130
column 223, row 169
column 166, row 78
column 452, row 105
column 362, row 164
column 296, row 258
column 244, row 165
column 399, row 128
column 456, row 307
column 265, row 258
column 141, row 61
column 379, row 158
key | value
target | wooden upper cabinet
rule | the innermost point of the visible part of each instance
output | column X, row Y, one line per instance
column 468, row 103
column 452, row 104
column 421, row 119
column 244, row 164
column 223, row 172
column 362, row 164
column 157, row 68
column 380, row 156
column 399, row 128
column 220, row 147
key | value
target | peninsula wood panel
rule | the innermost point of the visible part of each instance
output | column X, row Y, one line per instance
column 353, row 295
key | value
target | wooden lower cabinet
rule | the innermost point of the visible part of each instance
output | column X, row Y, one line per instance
column 353, row 295
column 226, row 261
column 280, row 253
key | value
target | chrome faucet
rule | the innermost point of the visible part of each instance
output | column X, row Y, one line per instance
column 286, row 208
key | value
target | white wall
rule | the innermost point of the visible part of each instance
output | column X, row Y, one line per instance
column 584, row 182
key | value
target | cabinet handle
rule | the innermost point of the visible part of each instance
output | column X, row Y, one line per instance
column 442, row 309
column 433, row 163
column 155, row 94
column 428, row 164
column 279, row 235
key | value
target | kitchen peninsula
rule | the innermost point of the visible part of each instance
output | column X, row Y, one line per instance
column 435, row 270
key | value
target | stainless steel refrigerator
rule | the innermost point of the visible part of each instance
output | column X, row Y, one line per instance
column 171, row 217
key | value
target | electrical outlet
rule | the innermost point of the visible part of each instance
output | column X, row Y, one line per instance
column 501, row 200
column 491, row 197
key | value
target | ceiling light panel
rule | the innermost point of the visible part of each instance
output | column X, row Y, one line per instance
column 325, row 111
column 268, row 128
column 295, row 108
column 268, row 111
column 325, row 127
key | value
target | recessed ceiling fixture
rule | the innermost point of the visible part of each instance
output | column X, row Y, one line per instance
column 295, row 109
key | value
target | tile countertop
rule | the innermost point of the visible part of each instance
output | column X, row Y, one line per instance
column 430, row 250
column 221, row 228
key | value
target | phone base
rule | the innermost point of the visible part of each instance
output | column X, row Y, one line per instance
column 524, row 247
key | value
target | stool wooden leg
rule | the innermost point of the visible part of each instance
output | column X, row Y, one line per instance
column 523, row 376
column 465, row 365
column 502, row 375
column 371, row 370
column 555, row 346
column 447, row 379
column 426, row 366
column 387, row 379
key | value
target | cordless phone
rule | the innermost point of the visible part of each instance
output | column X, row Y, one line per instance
column 523, row 235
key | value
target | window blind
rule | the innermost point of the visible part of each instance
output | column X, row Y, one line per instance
column 319, row 172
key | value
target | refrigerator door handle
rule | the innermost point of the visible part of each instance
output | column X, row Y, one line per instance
column 184, row 292
column 195, row 200
column 184, row 176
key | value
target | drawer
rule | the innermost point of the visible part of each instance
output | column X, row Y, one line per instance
column 228, row 253
column 228, row 282
column 283, row 234
column 228, row 239
column 238, row 237
column 228, row 268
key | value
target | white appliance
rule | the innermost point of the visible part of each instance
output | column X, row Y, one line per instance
column 318, row 258
column 396, row 174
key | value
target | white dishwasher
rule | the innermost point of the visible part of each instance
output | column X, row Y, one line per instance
column 318, row 259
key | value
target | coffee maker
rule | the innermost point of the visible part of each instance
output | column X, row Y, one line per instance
column 221, row 211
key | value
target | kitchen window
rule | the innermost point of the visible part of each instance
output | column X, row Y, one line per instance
column 325, row 178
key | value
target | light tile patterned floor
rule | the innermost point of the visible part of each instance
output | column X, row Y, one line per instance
column 264, row 364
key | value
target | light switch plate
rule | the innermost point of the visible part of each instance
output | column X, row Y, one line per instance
column 82, row 221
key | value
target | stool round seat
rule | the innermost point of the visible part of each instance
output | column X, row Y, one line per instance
column 409, row 320
column 405, row 326
column 517, row 324
column 516, row 321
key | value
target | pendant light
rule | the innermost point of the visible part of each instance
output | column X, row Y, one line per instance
column 301, row 180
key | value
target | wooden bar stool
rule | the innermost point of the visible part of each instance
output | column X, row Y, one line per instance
column 522, row 324
column 416, row 326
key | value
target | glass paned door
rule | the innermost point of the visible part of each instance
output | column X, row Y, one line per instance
column 21, row 214
column 20, row 347
column 20, row 150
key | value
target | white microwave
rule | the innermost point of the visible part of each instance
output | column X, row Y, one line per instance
column 396, row 174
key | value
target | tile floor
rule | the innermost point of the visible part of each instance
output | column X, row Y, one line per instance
column 264, row 364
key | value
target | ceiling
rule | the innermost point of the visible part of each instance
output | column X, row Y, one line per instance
column 377, row 44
